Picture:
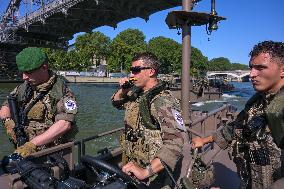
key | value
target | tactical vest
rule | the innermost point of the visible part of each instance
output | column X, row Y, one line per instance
column 41, row 116
column 142, row 133
column 253, row 144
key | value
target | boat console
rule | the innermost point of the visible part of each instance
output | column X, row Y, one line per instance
column 54, row 169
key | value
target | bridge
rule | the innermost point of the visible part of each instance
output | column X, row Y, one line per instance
column 52, row 23
column 237, row 75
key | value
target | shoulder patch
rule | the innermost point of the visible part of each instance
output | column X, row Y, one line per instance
column 70, row 105
column 179, row 120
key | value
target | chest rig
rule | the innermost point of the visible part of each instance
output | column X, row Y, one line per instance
column 253, row 144
column 142, row 131
column 251, row 132
column 39, row 108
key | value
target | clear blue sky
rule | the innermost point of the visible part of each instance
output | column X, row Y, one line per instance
column 248, row 22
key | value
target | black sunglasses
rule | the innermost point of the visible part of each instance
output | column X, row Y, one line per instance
column 137, row 69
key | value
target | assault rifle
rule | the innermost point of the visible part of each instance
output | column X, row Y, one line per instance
column 19, row 120
column 37, row 176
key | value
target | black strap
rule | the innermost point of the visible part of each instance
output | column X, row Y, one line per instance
column 145, row 105
column 170, row 174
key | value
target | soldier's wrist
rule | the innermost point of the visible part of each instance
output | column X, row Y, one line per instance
column 150, row 170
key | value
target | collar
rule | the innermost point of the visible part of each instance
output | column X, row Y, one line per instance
column 47, row 85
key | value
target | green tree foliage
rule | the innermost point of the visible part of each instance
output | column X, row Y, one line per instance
column 123, row 47
column 168, row 52
column 119, row 52
column 198, row 63
column 57, row 59
column 223, row 64
column 238, row 66
column 90, row 44
column 219, row 64
column 62, row 60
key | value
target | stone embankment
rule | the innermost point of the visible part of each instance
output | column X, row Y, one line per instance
column 80, row 79
column 75, row 79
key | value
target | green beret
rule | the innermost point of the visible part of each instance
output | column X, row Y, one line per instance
column 30, row 58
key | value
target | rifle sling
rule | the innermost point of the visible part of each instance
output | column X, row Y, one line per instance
column 33, row 102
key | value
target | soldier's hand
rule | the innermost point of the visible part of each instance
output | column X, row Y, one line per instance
column 197, row 142
column 27, row 149
column 9, row 125
column 132, row 169
column 122, row 81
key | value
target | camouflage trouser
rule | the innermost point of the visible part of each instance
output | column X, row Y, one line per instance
column 161, row 181
column 264, row 176
column 260, row 177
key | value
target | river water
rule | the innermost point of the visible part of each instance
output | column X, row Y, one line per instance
column 96, row 114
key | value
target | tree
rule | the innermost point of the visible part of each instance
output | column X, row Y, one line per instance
column 123, row 47
column 238, row 66
column 57, row 59
column 90, row 44
column 168, row 52
column 219, row 64
column 198, row 63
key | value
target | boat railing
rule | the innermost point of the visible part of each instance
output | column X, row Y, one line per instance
column 203, row 124
column 207, row 123
column 81, row 144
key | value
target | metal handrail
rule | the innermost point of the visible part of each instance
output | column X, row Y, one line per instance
column 81, row 146
column 81, row 142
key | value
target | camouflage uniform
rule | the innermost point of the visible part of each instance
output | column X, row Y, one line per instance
column 57, row 104
column 163, row 139
column 257, row 157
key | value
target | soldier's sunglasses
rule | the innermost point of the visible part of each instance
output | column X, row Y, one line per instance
column 137, row 69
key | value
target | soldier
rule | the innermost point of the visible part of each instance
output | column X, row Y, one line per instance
column 46, row 106
column 154, row 130
column 255, row 152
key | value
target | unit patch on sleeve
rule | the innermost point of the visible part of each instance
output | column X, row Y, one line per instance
column 70, row 105
column 178, row 119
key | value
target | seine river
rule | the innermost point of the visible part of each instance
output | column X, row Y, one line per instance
column 96, row 114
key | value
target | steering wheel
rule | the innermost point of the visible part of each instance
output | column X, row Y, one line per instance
column 109, row 168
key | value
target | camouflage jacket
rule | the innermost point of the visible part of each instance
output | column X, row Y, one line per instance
column 142, row 144
column 57, row 104
column 257, row 157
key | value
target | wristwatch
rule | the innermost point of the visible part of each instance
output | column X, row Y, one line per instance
column 150, row 170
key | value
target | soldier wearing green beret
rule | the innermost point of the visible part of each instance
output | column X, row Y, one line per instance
column 46, row 106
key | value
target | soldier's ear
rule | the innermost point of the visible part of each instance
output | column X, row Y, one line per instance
column 45, row 66
column 153, row 73
column 282, row 71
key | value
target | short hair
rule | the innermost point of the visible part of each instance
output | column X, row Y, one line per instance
column 273, row 48
column 148, row 59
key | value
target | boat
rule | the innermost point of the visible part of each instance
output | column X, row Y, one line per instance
column 68, row 166
column 222, row 84
column 198, row 90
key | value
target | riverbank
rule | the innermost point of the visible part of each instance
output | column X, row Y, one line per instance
column 86, row 79
column 75, row 79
